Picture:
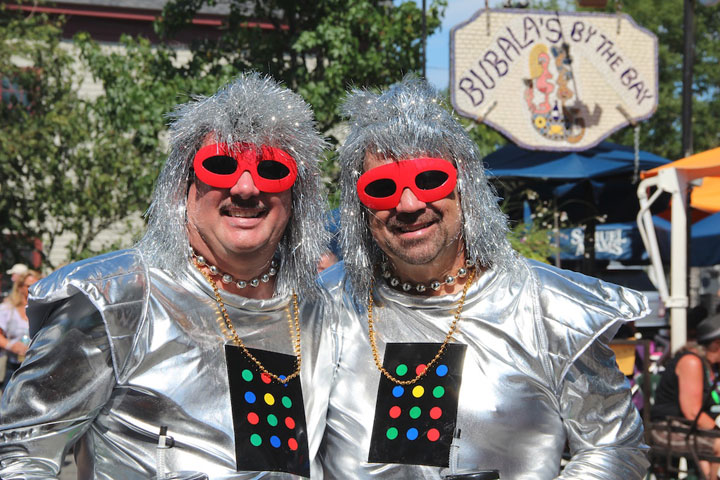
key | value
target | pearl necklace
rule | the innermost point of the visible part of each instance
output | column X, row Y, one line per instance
column 227, row 279
column 394, row 281
column 443, row 347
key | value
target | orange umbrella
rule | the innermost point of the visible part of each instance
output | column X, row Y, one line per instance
column 706, row 164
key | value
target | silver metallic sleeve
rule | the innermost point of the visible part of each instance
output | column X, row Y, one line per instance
column 48, row 406
column 604, row 429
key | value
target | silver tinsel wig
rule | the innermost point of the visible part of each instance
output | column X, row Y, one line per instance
column 408, row 121
column 253, row 109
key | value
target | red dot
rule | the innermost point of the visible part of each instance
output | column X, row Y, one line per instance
column 292, row 443
column 289, row 422
column 395, row 412
column 435, row 413
column 265, row 378
column 253, row 418
column 420, row 369
column 433, row 434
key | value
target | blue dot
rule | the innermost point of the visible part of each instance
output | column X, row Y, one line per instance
column 283, row 377
column 250, row 397
column 398, row 391
column 412, row 434
column 441, row 370
column 275, row 441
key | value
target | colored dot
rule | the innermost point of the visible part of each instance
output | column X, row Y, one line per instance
column 275, row 441
column 398, row 391
column 292, row 443
column 395, row 412
column 253, row 418
column 289, row 422
column 287, row 403
column 247, row 375
column 418, row 391
column 415, row 412
column 272, row 420
column 438, row 392
column 401, row 370
column 433, row 434
column 283, row 377
column 250, row 397
column 255, row 439
column 412, row 434
column 435, row 413
column 441, row 370
column 420, row 369
column 392, row 433
column 265, row 378
column 269, row 399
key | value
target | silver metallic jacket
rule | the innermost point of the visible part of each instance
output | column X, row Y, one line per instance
column 536, row 374
column 124, row 350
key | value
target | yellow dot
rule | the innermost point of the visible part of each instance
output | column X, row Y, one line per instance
column 269, row 399
column 418, row 391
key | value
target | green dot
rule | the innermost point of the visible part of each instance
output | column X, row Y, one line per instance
column 272, row 420
column 401, row 370
column 415, row 412
column 247, row 375
column 287, row 403
column 392, row 433
column 438, row 392
column 255, row 439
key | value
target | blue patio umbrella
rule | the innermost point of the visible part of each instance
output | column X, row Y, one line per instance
column 597, row 181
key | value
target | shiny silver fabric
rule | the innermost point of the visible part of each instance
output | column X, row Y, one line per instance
column 126, row 349
column 536, row 374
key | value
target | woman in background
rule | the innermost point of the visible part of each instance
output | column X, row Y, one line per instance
column 688, row 388
column 14, row 328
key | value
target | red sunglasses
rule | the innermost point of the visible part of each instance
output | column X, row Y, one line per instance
column 220, row 165
column 430, row 179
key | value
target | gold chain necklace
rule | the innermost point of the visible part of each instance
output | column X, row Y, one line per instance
column 453, row 329
column 294, row 332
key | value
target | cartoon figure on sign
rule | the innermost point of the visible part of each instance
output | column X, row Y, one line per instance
column 563, row 122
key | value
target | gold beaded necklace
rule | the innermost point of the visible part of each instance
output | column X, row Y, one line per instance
column 232, row 335
column 453, row 329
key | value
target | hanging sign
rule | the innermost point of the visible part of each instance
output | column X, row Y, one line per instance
column 553, row 80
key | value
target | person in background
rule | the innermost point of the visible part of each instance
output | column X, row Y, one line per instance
column 14, row 327
column 455, row 355
column 688, row 389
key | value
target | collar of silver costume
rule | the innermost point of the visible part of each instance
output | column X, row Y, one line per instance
column 227, row 279
column 395, row 281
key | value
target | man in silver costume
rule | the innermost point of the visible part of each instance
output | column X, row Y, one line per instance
column 181, row 354
column 454, row 354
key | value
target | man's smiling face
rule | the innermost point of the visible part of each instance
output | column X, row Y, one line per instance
column 236, row 221
column 416, row 232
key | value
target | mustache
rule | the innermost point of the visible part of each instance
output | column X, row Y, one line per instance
column 235, row 201
column 404, row 219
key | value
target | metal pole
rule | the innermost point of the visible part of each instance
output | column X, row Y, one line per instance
column 687, row 75
column 678, row 261
column 424, row 39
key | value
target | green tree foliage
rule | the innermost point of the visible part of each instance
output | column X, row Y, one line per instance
column 43, row 141
column 317, row 47
column 75, row 165
column 661, row 134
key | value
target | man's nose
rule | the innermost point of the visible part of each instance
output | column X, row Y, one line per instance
column 409, row 202
column 245, row 186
